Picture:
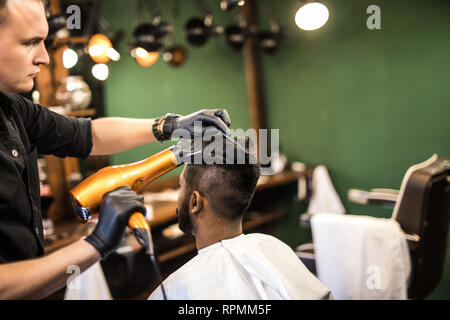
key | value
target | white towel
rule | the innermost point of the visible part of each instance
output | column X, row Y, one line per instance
column 324, row 197
column 361, row 257
column 89, row 285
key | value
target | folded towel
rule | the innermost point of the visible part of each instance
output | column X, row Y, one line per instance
column 324, row 197
column 361, row 257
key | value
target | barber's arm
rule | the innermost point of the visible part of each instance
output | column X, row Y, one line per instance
column 37, row 278
column 113, row 135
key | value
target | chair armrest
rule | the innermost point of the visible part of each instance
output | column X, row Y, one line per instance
column 393, row 192
column 385, row 197
column 305, row 220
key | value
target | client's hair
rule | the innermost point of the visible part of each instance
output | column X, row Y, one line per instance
column 229, row 188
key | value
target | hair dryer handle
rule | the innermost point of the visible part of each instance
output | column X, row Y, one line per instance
column 138, row 221
column 139, row 225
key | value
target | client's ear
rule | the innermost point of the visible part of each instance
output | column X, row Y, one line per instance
column 196, row 202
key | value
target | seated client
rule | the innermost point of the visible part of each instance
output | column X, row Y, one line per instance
column 212, row 201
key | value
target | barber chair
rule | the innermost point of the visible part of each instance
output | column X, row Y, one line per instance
column 422, row 209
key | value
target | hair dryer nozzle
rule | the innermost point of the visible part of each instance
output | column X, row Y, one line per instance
column 82, row 213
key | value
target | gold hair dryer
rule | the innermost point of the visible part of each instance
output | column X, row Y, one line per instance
column 87, row 195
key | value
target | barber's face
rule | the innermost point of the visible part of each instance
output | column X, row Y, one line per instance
column 22, row 47
column 184, row 219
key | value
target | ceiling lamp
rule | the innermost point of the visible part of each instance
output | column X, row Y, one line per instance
column 199, row 30
column 174, row 54
column 143, row 57
column 269, row 40
column 145, row 36
column 100, row 71
column 98, row 46
column 70, row 58
column 235, row 34
column 73, row 53
column 227, row 5
column 311, row 16
column 57, row 27
column 148, row 37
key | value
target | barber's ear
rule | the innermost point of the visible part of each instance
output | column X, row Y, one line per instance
column 196, row 202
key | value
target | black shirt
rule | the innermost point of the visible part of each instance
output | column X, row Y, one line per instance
column 27, row 129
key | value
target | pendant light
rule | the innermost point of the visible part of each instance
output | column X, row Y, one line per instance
column 311, row 16
column 199, row 30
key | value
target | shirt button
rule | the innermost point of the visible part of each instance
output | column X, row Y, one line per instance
column 15, row 153
column 37, row 230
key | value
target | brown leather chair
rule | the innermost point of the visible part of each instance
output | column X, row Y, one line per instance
column 422, row 209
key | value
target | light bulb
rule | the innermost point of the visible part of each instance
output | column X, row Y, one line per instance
column 167, row 56
column 100, row 71
column 70, row 58
column 141, row 53
column 311, row 16
column 145, row 58
column 97, row 50
column 113, row 54
column 98, row 46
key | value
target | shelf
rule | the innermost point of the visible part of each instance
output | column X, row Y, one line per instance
column 75, row 113
column 82, row 113
column 59, row 42
column 66, row 232
column 276, row 180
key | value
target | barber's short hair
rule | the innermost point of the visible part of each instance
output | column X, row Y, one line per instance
column 2, row 7
column 229, row 188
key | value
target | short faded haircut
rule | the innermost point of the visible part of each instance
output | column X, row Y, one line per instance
column 229, row 188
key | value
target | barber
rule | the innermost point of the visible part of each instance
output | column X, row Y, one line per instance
column 27, row 129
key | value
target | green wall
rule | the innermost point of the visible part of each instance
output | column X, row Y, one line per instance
column 212, row 77
column 366, row 103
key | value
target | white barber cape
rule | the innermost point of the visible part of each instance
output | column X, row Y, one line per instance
column 252, row 266
column 89, row 285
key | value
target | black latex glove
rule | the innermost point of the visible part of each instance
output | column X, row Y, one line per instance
column 117, row 206
column 216, row 118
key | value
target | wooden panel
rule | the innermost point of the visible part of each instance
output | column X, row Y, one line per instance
column 253, row 71
column 55, row 171
column 58, row 169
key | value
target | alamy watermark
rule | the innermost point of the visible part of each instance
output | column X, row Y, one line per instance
column 374, row 20
column 73, row 20
column 73, row 281
column 373, row 281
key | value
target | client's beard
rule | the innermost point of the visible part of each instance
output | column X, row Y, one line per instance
column 184, row 220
